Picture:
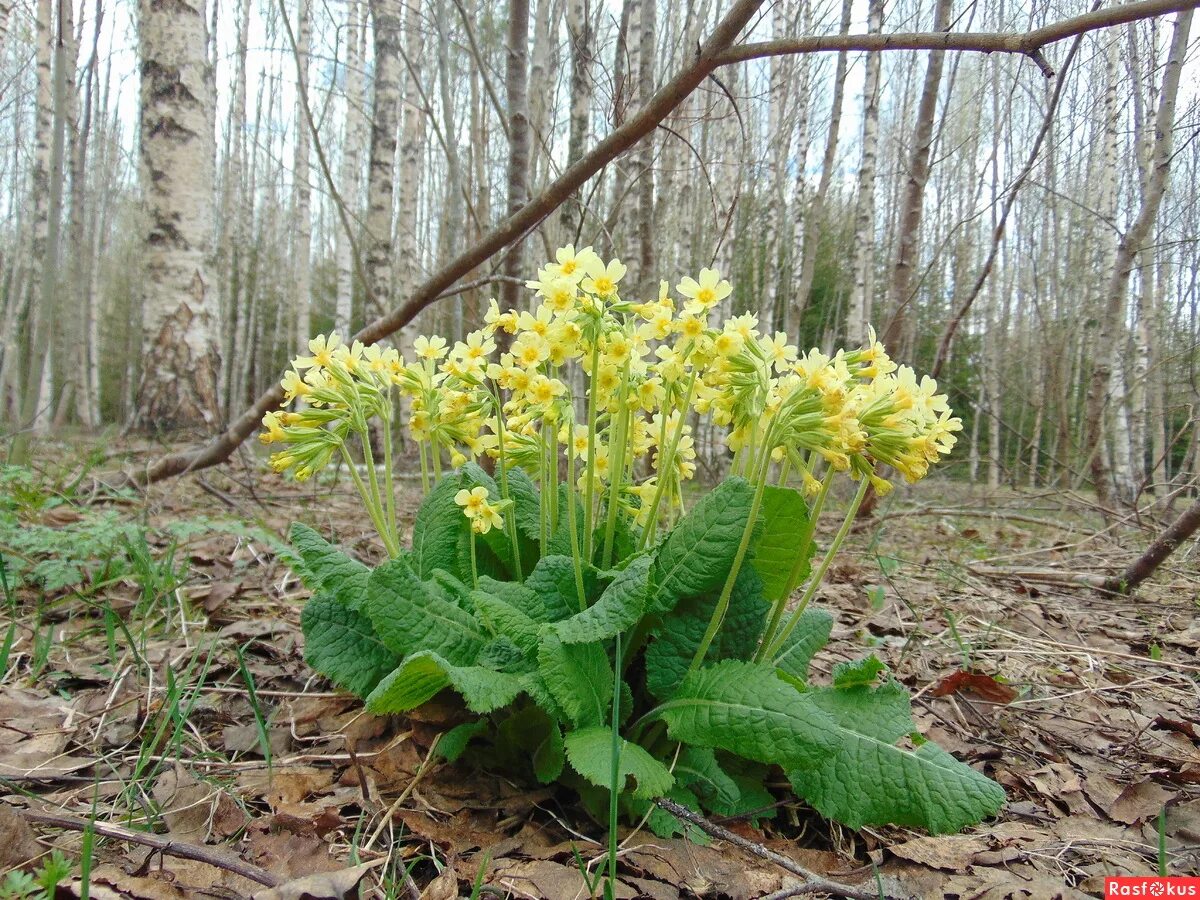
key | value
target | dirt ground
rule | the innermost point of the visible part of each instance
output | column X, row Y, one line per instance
column 129, row 702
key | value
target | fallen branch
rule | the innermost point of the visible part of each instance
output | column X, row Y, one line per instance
column 813, row 883
column 1166, row 544
column 1044, row 576
column 214, row 856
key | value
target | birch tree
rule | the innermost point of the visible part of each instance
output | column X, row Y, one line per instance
column 178, row 385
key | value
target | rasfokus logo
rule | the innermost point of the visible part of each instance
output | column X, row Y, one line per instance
column 1151, row 886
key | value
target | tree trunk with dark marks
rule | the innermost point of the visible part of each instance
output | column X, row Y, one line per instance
column 180, row 361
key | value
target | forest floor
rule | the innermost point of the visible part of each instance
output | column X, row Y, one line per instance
column 154, row 679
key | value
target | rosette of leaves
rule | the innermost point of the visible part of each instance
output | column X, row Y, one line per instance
column 537, row 672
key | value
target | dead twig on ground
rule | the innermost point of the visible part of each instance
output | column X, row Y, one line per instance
column 813, row 883
column 213, row 856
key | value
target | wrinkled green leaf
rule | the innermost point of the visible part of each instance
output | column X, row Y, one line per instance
column 549, row 756
column 453, row 743
column 341, row 644
column 618, row 609
column 421, row 676
column 785, row 520
column 810, row 635
column 504, row 619
column 408, row 618
column 440, row 533
column 553, row 582
column 698, row 553
column 328, row 569
column 865, row 779
column 526, row 504
column 675, row 642
column 579, row 677
column 589, row 750
column 745, row 709
column 697, row 768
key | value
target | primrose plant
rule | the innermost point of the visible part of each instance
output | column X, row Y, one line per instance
column 603, row 627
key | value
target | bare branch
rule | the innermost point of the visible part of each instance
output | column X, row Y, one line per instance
column 1028, row 43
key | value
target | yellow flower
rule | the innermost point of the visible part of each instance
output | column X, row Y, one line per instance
column 294, row 386
column 487, row 519
column 570, row 263
column 494, row 319
column 431, row 348
column 601, row 279
column 472, row 501
column 274, row 433
column 704, row 293
column 530, row 349
column 322, row 349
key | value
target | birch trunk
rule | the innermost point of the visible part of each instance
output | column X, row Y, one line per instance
column 408, row 265
column 178, row 386
column 349, row 176
column 900, row 290
column 579, row 30
column 1100, row 380
column 516, row 80
column 301, row 190
column 385, row 119
column 858, row 314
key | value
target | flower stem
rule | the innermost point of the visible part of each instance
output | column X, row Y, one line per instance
column 718, row 616
column 372, row 507
column 571, row 518
column 666, row 462
column 590, row 487
column 616, row 466
column 474, row 566
column 510, row 521
column 819, row 576
column 802, row 553
column 614, row 776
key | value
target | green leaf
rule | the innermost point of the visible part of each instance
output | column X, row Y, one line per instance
column 859, row 673
column 579, row 677
column 785, row 520
column 504, row 619
column 618, row 609
column 745, row 709
column 341, row 644
column 670, row 653
column 501, row 654
column 527, row 505
column 421, row 676
column 810, row 635
column 553, row 582
column 589, row 750
column 453, row 743
column 409, row 618
column 698, row 553
column 514, row 594
column 549, row 757
column 329, row 569
column 697, row 767
column 440, row 533
column 865, row 779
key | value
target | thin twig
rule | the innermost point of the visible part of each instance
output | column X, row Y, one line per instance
column 812, row 881
column 213, row 856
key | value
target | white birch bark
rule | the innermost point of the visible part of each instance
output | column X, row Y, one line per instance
column 301, row 190
column 351, row 167
column 858, row 314
column 385, row 118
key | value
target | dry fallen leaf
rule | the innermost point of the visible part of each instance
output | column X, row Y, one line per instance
column 18, row 845
column 984, row 686
column 1139, row 801
column 336, row 885
column 950, row 852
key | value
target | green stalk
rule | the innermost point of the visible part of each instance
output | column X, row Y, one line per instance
column 616, row 467
column 424, row 468
column 372, row 507
column 474, row 566
column 387, row 467
column 436, row 450
column 801, row 555
column 718, row 616
column 666, row 462
column 510, row 522
column 614, row 775
column 571, row 517
column 816, row 580
column 589, row 490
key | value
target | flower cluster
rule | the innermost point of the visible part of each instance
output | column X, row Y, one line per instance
column 482, row 515
column 607, row 387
